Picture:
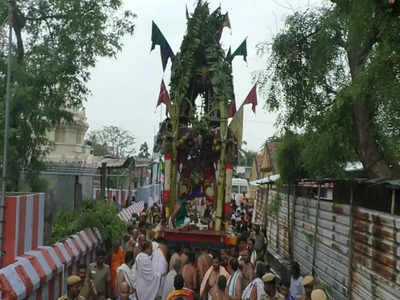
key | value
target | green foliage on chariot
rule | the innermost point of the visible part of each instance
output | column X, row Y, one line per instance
column 200, row 68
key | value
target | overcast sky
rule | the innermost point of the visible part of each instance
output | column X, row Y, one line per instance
column 125, row 89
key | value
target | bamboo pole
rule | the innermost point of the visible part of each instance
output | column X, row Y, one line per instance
column 175, row 111
column 222, row 164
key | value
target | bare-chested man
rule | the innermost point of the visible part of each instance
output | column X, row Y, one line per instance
column 225, row 260
column 246, row 267
column 138, row 247
column 211, row 277
column 235, row 286
column 203, row 263
column 131, row 242
column 218, row 293
column 189, row 274
column 185, row 255
column 175, row 257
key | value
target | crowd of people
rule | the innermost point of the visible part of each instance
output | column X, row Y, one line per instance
column 143, row 267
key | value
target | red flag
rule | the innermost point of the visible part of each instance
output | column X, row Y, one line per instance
column 252, row 98
column 164, row 96
column 232, row 109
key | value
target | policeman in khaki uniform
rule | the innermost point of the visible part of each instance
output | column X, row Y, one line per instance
column 74, row 288
column 271, row 292
column 318, row 295
column 308, row 284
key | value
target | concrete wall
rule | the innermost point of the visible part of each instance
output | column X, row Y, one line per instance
column 61, row 195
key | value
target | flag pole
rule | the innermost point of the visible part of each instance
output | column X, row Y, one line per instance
column 6, row 126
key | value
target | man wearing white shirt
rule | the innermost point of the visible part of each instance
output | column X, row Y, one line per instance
column 296, row 282
column 147, row 279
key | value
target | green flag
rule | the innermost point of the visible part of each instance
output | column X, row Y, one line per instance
column 157, row 38
column 229, row 55
column 241, row 50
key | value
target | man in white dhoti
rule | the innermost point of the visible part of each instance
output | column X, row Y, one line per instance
column 147, row 279
column 126, row 273
column 160, row 263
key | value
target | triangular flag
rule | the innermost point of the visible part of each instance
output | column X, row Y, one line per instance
column 157, row 38
column 227, row 22
column 232, row 109
column 236, row 126
column 187, row 13
column 252, row 98
column 229, row 55
column 241, row 50
column 163, row 97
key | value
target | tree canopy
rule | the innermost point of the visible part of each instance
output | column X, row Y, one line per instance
column 333, row 74
column 112, row 140
column 56, row 42
column 144, row 151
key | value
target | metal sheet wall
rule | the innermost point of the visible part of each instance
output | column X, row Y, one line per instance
column 376, row 253
column 303, row 233
column 259, row 206
column 322, row 244
column 278, row 226
column 332, row 247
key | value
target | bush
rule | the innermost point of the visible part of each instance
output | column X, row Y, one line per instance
column 94, row 213
column 65, row 224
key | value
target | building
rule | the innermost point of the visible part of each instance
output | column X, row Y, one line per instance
column 264, row 168
column 243, row 172
column 142, row 174
column 268, row 165
column 254, row 175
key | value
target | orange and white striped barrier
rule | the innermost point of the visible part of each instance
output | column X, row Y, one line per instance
column 24, row 225
column 41, row 273
column 120, row 196
column 126, row 213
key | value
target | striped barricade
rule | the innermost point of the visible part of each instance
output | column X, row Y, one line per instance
column 24, row 225
column 120, row 195
column 41, row 273
column 126, row 213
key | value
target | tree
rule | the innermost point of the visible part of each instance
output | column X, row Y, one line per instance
column 57, row 42
column 334, row 74
column 289, row 158
column 113, row 141
column 144, row 151
column 246, row 157
column 97, row 148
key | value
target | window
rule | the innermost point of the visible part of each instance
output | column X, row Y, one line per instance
column 243, row 189
column 235, row 189
column 59, row 135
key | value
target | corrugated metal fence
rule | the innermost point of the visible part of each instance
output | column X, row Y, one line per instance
column 376, row 263
column 324, row 236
